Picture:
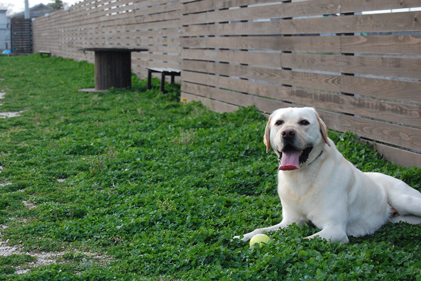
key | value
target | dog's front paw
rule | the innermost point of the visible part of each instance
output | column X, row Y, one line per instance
column 235, row 237
column 246, row 237
column 239, row 237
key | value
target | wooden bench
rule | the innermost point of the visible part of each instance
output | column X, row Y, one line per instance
column 45, row 54
column 164, row 72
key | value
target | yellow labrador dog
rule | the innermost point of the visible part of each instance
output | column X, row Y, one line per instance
column 317, row 185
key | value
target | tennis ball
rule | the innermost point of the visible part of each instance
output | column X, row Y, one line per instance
column 259, row 238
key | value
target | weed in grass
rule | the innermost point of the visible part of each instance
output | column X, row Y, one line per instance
column 72, row 256
column 186, row 137
column 166, row 205
column 161, row 187
column 96, row 165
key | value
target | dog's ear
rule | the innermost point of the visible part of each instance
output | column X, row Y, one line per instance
column 323, row 128
column 266, row 137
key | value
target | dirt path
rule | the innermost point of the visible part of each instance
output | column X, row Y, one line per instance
column 41, row 258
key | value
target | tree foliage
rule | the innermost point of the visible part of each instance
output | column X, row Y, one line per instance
column 56, row 5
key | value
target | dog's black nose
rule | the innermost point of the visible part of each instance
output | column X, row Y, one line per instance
column 288, row 133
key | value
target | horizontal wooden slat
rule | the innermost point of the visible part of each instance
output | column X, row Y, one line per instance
column 381, row 66
column 218, row 94
column 207, row 5
column 301, row 79
column 141, row 66
column 277, row 10
column 310, row 44
column 346, row 6
column 383, row 132
column 400, row 157
column 374, row 5
column 156, row 57
column 382, row 88
column 245, row 57
column 394, row 22
column 139, row 42
column 393, row 44
column 241, row 99
column 211, row 104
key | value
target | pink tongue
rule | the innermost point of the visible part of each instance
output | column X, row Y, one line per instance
column 290, row 160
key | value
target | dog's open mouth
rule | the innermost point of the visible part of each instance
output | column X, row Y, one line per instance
column 290, row 158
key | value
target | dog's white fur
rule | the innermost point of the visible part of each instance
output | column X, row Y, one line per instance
column 327, row 190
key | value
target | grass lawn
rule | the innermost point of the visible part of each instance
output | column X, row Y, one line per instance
column 134, row 185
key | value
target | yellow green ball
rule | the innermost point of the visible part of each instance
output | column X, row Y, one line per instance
column 259, row 238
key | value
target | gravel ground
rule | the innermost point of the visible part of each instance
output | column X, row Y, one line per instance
column 41, row 258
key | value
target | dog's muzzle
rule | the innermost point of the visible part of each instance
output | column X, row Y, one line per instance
column 290, row 158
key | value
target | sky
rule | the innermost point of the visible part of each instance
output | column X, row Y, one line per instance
column 17, row 6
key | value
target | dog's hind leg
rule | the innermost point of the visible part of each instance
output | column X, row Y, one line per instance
column 406, row 205
column 403, row 198
column 407, row 219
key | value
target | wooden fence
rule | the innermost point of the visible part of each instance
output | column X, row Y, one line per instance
column 360, row 70
column 151, row 24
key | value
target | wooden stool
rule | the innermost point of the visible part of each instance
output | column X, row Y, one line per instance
column 112, row 68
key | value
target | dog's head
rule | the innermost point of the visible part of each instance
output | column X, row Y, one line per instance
column 297, row 135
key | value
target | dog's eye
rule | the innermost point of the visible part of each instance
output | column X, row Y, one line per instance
column 279, row 122
column 304, row 122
